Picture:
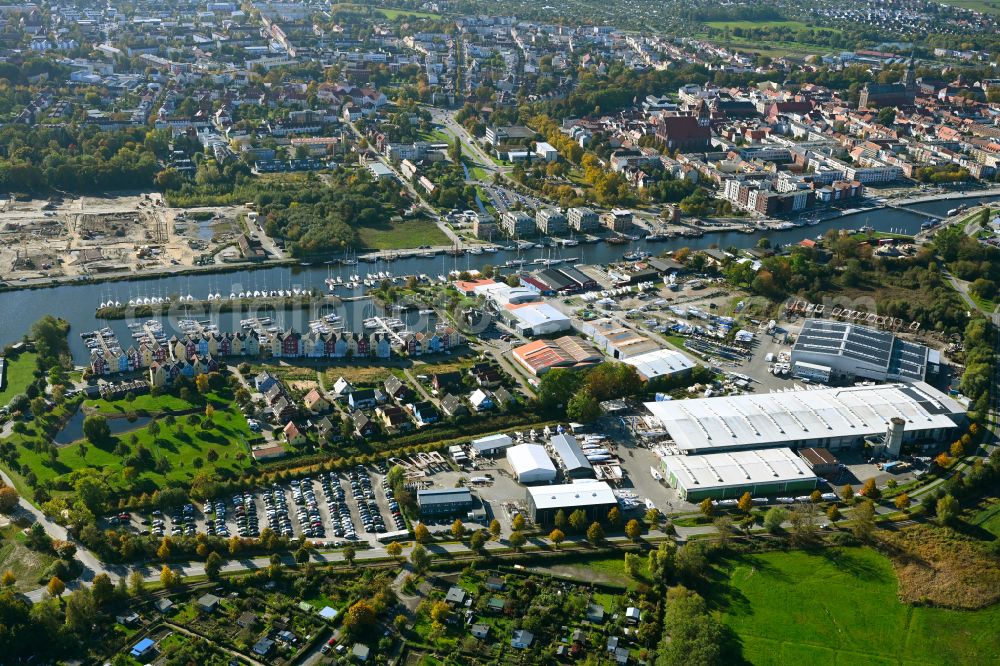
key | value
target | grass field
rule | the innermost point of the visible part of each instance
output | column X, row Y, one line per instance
column 839, row 607
column 989, row 518
column 183, row 447
column 19, row 373
column 402, row 234
column 26, row 564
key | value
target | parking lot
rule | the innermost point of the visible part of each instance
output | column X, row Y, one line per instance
column 331, row 507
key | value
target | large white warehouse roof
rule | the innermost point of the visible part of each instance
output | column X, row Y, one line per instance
column 587, row 493
column 796, row 418
column 531, row 463
column 737, row 469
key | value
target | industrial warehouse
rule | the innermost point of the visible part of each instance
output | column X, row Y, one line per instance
column 831, row 418
column 595, row 498
column 833, row 351
column 728, row 475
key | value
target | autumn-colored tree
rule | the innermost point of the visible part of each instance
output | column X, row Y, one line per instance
column 595, row 533
column 235, row 544
column 360, row 616
column 8, row 499
column 816, row 496
column 169, row 578
column 578, row 520
column 394, row 550
column 560, row 520
column 163, row 552
column 902, row 501
column 421, row 534
column 942, row 459
column 652, row 517
column 833, row 513
column 495, row 528
column 957, row 450
column 8, row 579
column 864, row 520
column 745, row 503
column 518, row 523
column 56, row 587
column 517, row 540
column 349, row 552
column 947, row 509
column 707, row 508
column 439, row 611
column 633, row 530
column 201, row 383
column 557, row 536
column 614, row 516
column 847, row 492
column 457, row 530
column 870, row 490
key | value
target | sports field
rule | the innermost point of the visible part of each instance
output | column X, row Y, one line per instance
column 841, row 607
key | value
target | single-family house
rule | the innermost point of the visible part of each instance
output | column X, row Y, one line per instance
column 455, row 596
column 394, row 418
column 363, row 426
column 444, row 381
column 264, row 647
column 293, row 435
column 315, row 402
column 342, row 387
column 453, row 406
column 425, row 412
column 481, row 400
column 362, row 399
column 480, row 631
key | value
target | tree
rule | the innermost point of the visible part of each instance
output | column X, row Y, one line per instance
column 301, row 555
column 902, row 501
column 652, row 517
column 560, row 519
column 349, row 552
column 213, row 565
column 136, row 584
column 595, row 533
column 947, row 509
column 632, row 565
column 518, row 523
column 833, row 513
column 421, row 534
column 696, row 636
column 103, row 589
column 360, row 616
column 816, row 496
column 864, row 520
column 957, row 450
column 420, row 558
column 724, row 528
column 773, row 519
column 477, row 540
column 81, row 611
column 847, row 492
column 56, row 587
column 578, row 520
column 457, row 530
column 633, row 530
column 8, row 579
column 583, row 407
column 707, row 508
column 495, row 528
column 440, row 611
column 745, row 503
column 96, row 429
column 163, row 552
column 9, row 499
column 394, row 550
column 517, row 540
column 557, row 536
column 614, row 516
column 870, row 490
column 169, row 578
column 201, row 383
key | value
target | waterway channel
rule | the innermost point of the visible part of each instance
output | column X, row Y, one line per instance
column 77, row 302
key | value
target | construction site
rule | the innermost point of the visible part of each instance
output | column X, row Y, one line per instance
column 86, row 236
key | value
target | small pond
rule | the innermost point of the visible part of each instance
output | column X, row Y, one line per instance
column 73, row 430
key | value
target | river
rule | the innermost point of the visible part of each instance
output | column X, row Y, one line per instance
column 77, row 302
